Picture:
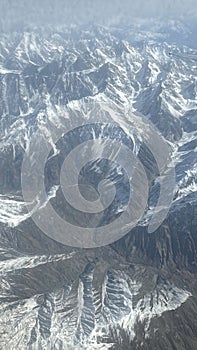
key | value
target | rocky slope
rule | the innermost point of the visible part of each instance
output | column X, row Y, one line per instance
column 139, row 292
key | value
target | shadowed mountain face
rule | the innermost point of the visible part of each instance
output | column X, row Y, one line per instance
column 140, row 291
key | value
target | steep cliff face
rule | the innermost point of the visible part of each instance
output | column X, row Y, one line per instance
column 140, row 291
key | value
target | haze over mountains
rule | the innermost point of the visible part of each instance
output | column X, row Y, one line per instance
column 139, row 292
column 83, row 12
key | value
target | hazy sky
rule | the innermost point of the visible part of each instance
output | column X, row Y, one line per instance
column 85, row 11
